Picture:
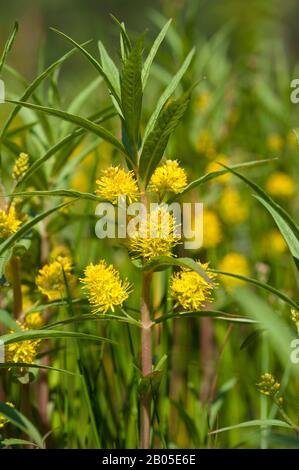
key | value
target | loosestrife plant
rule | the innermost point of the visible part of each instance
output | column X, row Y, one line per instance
column 144, row 176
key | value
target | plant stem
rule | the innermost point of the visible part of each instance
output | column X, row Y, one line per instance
column 16, row 286
column 146, row 360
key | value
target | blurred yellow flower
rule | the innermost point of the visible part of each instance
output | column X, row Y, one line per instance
column 212, row 230
column 117, row 182
column 51, row 279
column 3, row 419
column 9, row 223
column 105, row 289
column 274, row 243
column 34, row 321
column 202, row 101
column 275, row 142
column 169, row 177
column 233, row 208
column 280, row 184
column 214, row 166
column 205, row 144
column 190, row 290
column 21, row 166
column 155, row 235
column 80, row 181
column 234, row 263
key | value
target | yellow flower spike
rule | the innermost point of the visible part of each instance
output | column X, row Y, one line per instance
column 105, row 289
column 280, row 184
column 233, row 209
column 190, row 290
column 3, row 419
column 155, row 237
column 9, row 223
column 169, row 177
column 50, row 280
column 117, row 182
column 214, row 166
column 21, row 166
column 268, row 385
column 295, row 316
column 234, row 263
column 212, row 230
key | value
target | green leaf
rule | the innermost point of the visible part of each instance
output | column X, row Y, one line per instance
column 11, row 365
column 17, row 442
column 21, row 422
column 157, row 140
column 7, row 320
column 215, row 314
column 91, row 317
column 125, row 42
column 32, row 87
column 254, row 423
column 149, row 60
column 265, row 197
column 92, row 60
column 163, row 262
column 109, row 68
column 79, row 121
column 4, row 259
column 8, row 45
column 277, row 328
column 167, row 94
column 59, row 192
column 53, row 150
column 287, row 233
column 24, row 229
column 49, row 334
column 260, row 284
column 80, row 100
column 131, row 95
column 214, row 174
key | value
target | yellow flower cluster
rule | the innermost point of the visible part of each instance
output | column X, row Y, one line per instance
column 268, row 385
column 3, row 419
column 233, row 209
column 22, row 351
column 155, row 236
column 212, row 230
column 117, row 182
column 190, row 290
column 169, row 177
column 9, row 223
column 21, row 166
column 234, row 263
column 105, row 289
column 52, row 278
column 275, row 142
column 280, row 184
